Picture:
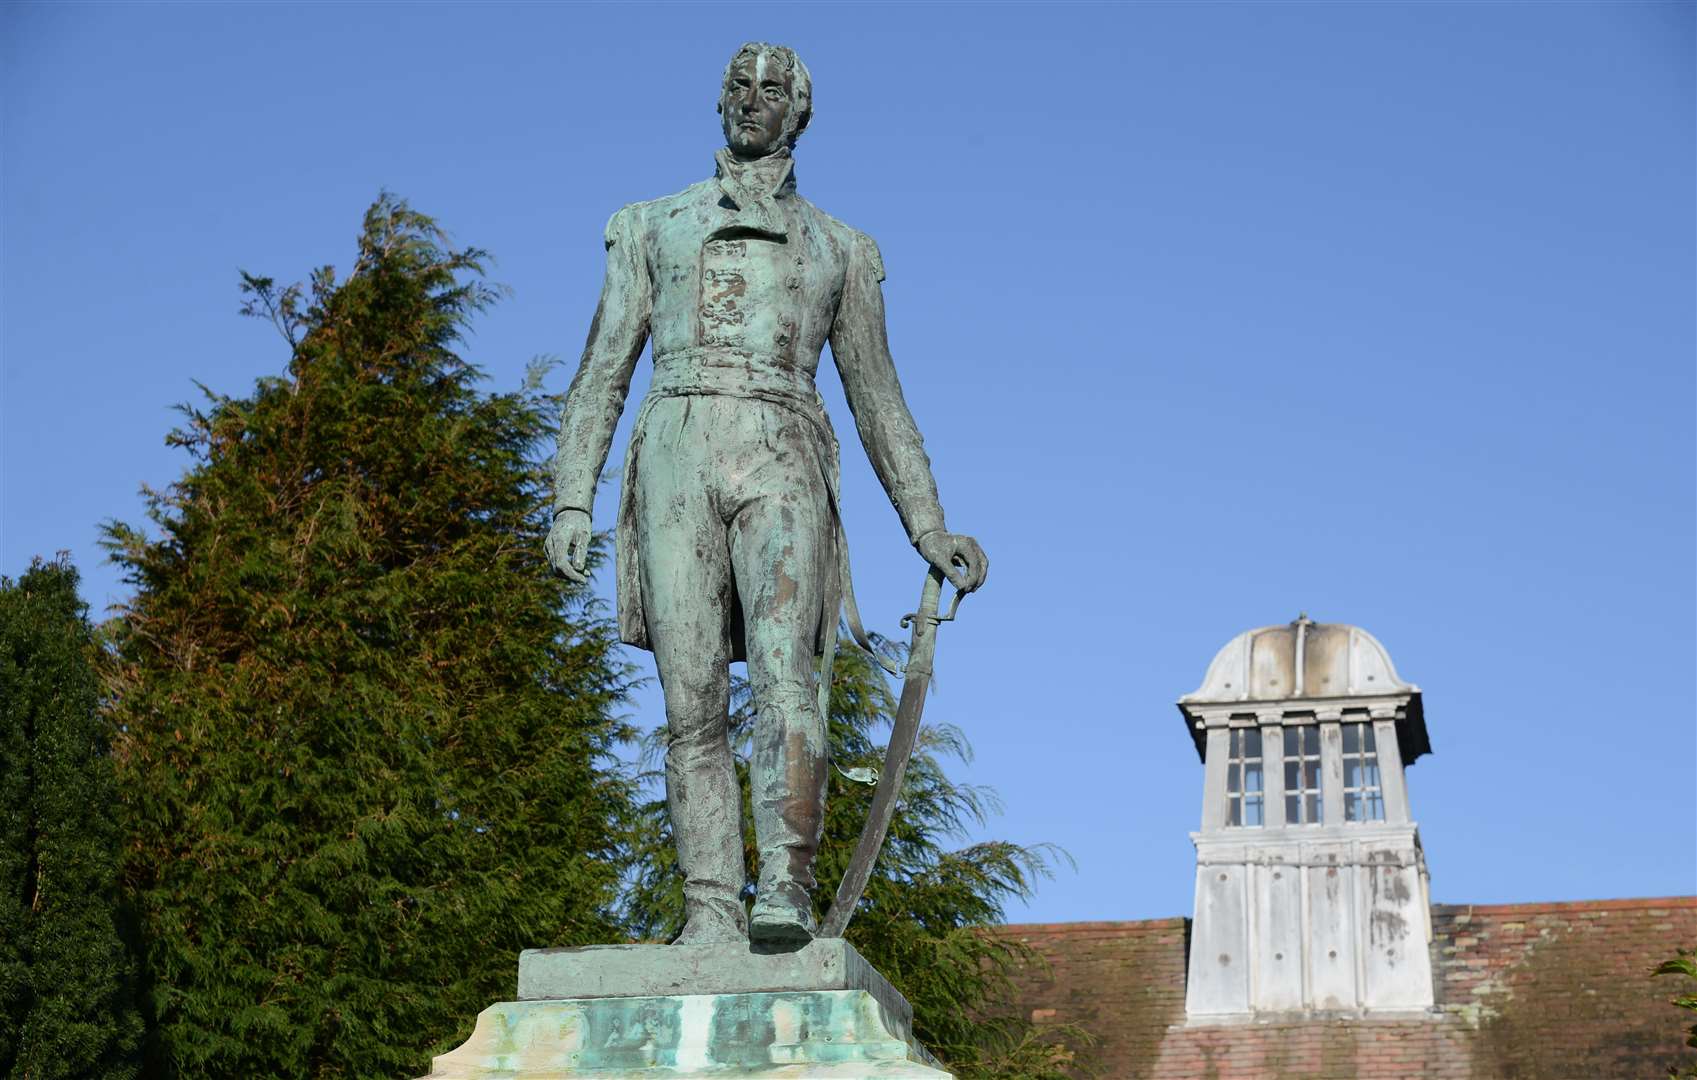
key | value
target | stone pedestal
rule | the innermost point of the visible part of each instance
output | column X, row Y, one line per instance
column 679, row 1011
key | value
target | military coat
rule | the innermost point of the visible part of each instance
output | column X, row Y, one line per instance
column 739, row 283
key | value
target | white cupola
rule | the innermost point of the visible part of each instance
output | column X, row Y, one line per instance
column 1311, row 886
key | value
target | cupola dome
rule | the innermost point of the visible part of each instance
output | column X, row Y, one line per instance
column 1301, row 659
column 1308, row 661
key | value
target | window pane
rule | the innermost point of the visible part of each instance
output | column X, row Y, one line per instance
column 1370, row 744
column 1291, row 769
column 1370, row 773
column 1252, row 812
column 1311, row 774
column 1290, row 742
column 1351, row 807
column 1231, row 778
column 1252, row 777
column 1351, row 738
column 1351, row 772
column 1252, row 742
column 1310, row 741
column 1293, row 810
column 1232, row 815
column 1375, row 808
column 1313, row 808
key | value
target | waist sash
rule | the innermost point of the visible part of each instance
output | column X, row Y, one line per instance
column 708, row 371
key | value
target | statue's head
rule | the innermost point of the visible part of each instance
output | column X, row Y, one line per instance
column 766, row 99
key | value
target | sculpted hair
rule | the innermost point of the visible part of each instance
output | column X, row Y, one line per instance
column 801, row 83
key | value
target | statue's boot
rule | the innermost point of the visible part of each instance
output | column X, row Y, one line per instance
column 788, row 775
column 783, row 914
column 706, row 810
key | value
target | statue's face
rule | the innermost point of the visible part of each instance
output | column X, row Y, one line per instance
column 755, row 106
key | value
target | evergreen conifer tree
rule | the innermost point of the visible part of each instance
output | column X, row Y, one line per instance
column 365, row 732
column 928, row 917
column 67, row 1006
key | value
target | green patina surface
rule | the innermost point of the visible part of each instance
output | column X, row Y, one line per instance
column 844, row 1033
column 728, row 542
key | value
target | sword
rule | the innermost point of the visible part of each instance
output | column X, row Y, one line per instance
column 921, row 652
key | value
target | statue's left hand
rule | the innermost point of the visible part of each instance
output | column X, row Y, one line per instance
column 957, row 556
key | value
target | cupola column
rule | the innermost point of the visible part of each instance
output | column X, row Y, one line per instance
column 1214, row 777
column 1331, row 767
column 1390, row 772
column 1273, row 749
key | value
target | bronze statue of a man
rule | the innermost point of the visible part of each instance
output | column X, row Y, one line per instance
column 728, row 543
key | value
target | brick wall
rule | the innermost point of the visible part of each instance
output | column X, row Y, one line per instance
column 1524, row 992
column 1563, row 990
column 1121, row 981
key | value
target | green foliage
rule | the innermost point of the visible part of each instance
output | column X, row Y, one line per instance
column 927, row 919
column 67, row 1004
column 363, row 733
column 1684, row 962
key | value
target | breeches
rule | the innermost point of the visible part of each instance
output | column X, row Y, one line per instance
column 735, row 523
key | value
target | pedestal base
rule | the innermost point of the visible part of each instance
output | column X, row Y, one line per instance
column 746, row 1017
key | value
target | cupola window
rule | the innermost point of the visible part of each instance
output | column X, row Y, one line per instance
column 1363, row 798
column 1302, row 775
column 1245, row 791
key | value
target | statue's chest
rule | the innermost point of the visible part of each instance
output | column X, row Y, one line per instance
column 719, row 287
column 746, row 295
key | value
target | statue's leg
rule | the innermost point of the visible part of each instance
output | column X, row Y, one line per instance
column 686, row 582
column 783, row 544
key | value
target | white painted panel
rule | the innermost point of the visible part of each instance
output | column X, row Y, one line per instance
column 1398, row 966
column 1219, row 955
column 1371, row 665
column 1331, row 937
column 1278, row 937
column 1272, row 667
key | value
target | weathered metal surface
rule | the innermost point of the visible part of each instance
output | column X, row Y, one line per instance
column 720, row 968
column 1332, row 929
column 1309, row 663
column 1293, row 914
column 843, row 1034
column 1309, row 919
column 917, row 680
column 729, row 543
column 1260, row 665
column 1278, row 958
column 1219, row 944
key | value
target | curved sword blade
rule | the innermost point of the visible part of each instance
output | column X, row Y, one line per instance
column 921, row 652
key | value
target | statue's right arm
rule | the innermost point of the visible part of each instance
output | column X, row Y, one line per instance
column 596, row 397
column 597, row 394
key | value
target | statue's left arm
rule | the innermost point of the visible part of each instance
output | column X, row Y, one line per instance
column 861, row 346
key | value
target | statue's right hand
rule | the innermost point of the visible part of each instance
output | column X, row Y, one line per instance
column 568, row 544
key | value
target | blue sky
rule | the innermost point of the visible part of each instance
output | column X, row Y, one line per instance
column 1210, row 314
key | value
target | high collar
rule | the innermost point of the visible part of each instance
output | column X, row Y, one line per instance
column 754, row 188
